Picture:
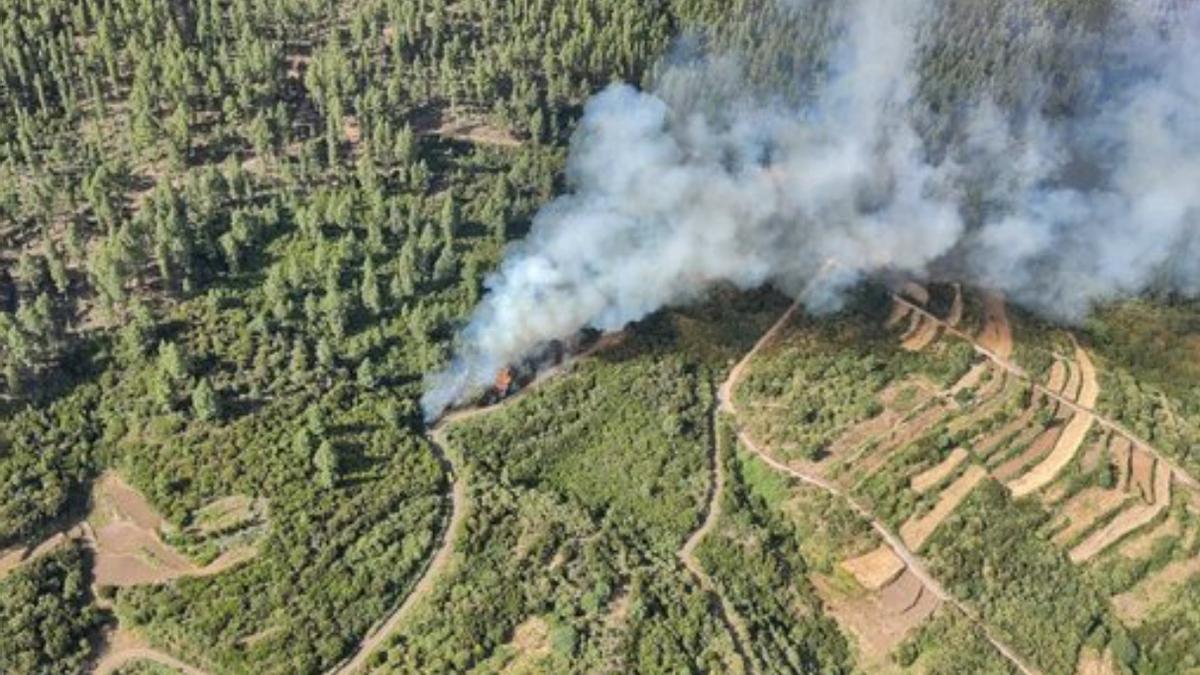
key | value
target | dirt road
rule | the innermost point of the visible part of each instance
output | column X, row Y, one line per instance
column 893, row 541
column 434, row 568
column 123, row 647
column 687, row 554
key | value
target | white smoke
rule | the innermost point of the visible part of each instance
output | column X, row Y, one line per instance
column 676, row 190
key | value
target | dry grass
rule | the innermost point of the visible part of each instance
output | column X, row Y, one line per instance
column 916, row 531
column 875, row 569
column 1129, row 520
column 1136, row 604
column 879, row 620
column 931, row 477
column 1084, row 510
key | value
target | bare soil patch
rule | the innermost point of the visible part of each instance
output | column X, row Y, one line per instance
column 932, row 476
column 128, row 548
column 1141, row 482
column 530, row 643
column 992, row 442
column 1040, row 447
column 916, row 531
column 1122, row 456
column 956, row 308
column 915, row 292
column 123, row 647
column 876, row 568
column 1057, row 378
column 925, row 334
column 996, row 335
column 897, row 437
column 1092, row 662
column 881, row 620
column 971, row 379
column 1142, row 545
column 229, row 513
column 1072, row 435
column 900, row 312
column 915, row 321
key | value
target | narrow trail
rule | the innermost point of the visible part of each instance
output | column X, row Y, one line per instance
column 1180, row 474
column 123, row 647
column 458, row 502
column 687, row 554
column 910, row 559
column 434, row 567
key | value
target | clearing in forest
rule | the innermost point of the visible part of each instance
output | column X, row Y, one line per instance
column 927, row 331
column 916, row 531
column 128, row 549
column 1092, row 662
column 1040, row 447
column 879, row 620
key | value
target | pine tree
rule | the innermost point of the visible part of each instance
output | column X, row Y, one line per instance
column 371, row 296
column 205, row 404
column 325, row 461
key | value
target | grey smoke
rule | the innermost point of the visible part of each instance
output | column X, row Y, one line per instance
column 701, row 181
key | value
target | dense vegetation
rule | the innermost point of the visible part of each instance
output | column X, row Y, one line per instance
column 234, row 235
column 580, row 494
column 46, row 615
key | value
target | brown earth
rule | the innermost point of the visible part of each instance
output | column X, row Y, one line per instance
column 881, row 620
column 1038, row 448
column 1092, row 662
column 934, row 475
column 1142, row 545
column 1072, row 436
column 900, row 312
column 875, row 569
column 925, row 335
column 123, row 647
column 1057, row 377
column 996, row 335
column 1142, row 474
column 915, row 532
column 1083, row 510
column 956, row 307
column 916, row 292
column 531, row 643
column 1129, row 520
column 1122, row 455
column 128, row 549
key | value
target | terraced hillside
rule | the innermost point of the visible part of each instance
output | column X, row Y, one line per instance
column 1049, row 520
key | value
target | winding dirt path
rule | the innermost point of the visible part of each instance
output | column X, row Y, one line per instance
column 123, row 647
column 458, row 501
column 894, row 542
column 436, row 565
column 687, row 554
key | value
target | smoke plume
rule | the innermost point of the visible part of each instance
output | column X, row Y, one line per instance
column 707, row 179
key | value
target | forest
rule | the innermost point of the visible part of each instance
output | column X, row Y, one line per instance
column 236, row 234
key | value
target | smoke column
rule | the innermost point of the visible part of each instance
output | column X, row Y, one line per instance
column 702, row 181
